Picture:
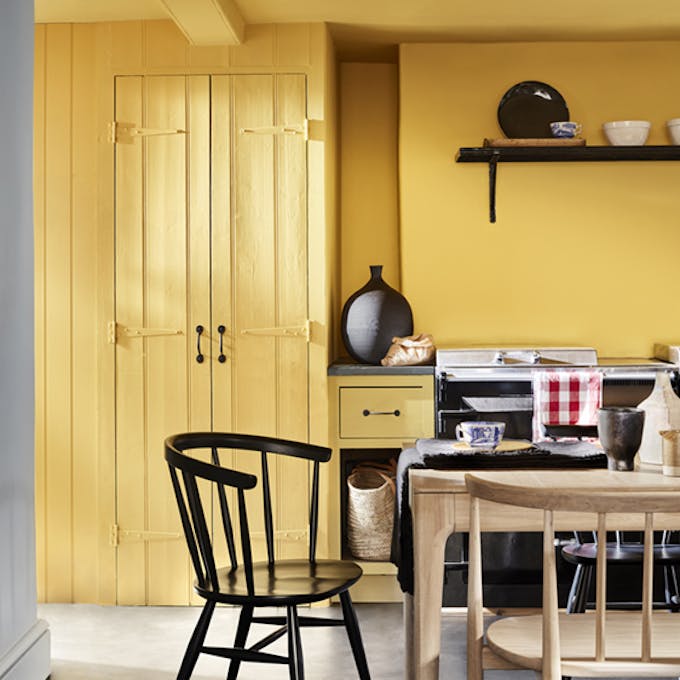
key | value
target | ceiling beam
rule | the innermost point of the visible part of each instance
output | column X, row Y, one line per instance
column 208, row 22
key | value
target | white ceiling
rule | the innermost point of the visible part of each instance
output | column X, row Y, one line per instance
column 361, row 23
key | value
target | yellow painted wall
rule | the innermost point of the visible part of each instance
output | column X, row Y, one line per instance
column 582, row 253
column 369, row 107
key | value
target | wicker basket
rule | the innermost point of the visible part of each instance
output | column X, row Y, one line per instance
column 370, row 512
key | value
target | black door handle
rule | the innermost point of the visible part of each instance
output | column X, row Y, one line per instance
column 199, row 356
column 221, row 358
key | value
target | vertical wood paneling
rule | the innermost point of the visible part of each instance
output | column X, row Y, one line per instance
column 222, row 259
column 76, row 431
column 253, row 211
column 292, row 45
column 126, row 43
column 164, row 46
column 58, row 318
column 209, row 58
column 220, row 265
column 290, row 262
column 106, row 313
column 259, row 48
column 39, row 181
column 198, row 245
column 167, row 306
column 130, row 422
column 324, row 264
column 84, row 301
column 254, row 247
column 291, row 359
column 221, row 251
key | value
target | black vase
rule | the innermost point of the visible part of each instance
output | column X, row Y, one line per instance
column 620, row 431
column 372, row 316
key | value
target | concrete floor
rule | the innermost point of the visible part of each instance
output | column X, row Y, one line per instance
column 147, row 643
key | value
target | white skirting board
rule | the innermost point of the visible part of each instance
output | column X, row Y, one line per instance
column 29, row 658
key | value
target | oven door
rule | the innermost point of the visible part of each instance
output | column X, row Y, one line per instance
column 502, row 400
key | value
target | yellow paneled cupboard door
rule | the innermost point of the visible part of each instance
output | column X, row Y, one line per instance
column 211, row 303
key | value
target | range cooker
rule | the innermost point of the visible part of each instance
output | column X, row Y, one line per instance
column 495, row 383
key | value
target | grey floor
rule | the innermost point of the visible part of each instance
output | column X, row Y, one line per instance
column 91, row 643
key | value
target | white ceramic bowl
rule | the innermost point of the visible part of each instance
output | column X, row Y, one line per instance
column 673, row 126
column 627, row 132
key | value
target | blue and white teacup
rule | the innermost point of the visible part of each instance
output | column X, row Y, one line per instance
column 565, row 128
column 480, row 434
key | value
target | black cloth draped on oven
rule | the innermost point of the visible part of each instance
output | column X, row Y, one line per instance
column 549, row 455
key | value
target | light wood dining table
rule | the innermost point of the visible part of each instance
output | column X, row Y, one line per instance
column 440, row 506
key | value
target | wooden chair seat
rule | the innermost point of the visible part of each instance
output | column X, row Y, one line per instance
column 626, row 553
column 622, row 553
column 298, row 581
column 518, row 640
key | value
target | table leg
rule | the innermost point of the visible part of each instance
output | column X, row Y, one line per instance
column 408, row 637
column 433, row 516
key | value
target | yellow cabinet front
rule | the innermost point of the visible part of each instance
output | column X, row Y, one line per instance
column 384, row 412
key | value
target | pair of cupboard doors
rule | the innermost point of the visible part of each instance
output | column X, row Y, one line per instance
column 211, row 281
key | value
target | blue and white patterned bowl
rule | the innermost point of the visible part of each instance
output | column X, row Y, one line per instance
column 480, row 433
column 565, row 129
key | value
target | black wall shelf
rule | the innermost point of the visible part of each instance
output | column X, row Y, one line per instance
column 547, row 154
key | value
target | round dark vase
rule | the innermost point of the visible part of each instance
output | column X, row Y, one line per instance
column 620, row 432
column 372, row 316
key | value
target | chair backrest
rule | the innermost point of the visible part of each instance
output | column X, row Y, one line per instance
column 575, row 491
column 197, row 483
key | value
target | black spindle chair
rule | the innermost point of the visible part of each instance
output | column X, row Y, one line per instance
column 274, row 583
column 622, row 552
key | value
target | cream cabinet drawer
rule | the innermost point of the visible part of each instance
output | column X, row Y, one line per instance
column 385, row 412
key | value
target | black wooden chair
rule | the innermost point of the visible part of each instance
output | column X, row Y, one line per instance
column 621, row 552
column 274, row 583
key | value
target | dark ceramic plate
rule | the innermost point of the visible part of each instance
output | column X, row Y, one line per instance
column 527, row 109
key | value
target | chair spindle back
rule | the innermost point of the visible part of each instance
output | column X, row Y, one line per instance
column 189, row 475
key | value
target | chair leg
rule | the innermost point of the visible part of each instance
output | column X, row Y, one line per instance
column 295, row 665
column 583, row 591
column 244, row 622
column 582, row 601
column 674, row 588
column 354, row 635
column 668, row 597
column 574, row 590
column 196, row 642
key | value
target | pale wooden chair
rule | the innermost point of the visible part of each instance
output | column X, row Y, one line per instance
column 600, row 643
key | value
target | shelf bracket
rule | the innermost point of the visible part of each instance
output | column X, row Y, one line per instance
column 493, row 162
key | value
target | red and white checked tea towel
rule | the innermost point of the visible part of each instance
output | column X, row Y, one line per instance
column 565, row 398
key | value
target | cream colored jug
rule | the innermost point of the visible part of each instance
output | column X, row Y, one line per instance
column 662, row 412
column 671, row 452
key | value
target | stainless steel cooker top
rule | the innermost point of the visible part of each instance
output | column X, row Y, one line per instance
column 517, row 356
column 487, row 363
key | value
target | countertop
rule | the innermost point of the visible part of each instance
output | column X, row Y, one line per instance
column 347, row 366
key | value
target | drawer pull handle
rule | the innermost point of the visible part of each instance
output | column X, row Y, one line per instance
column 396, row 412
